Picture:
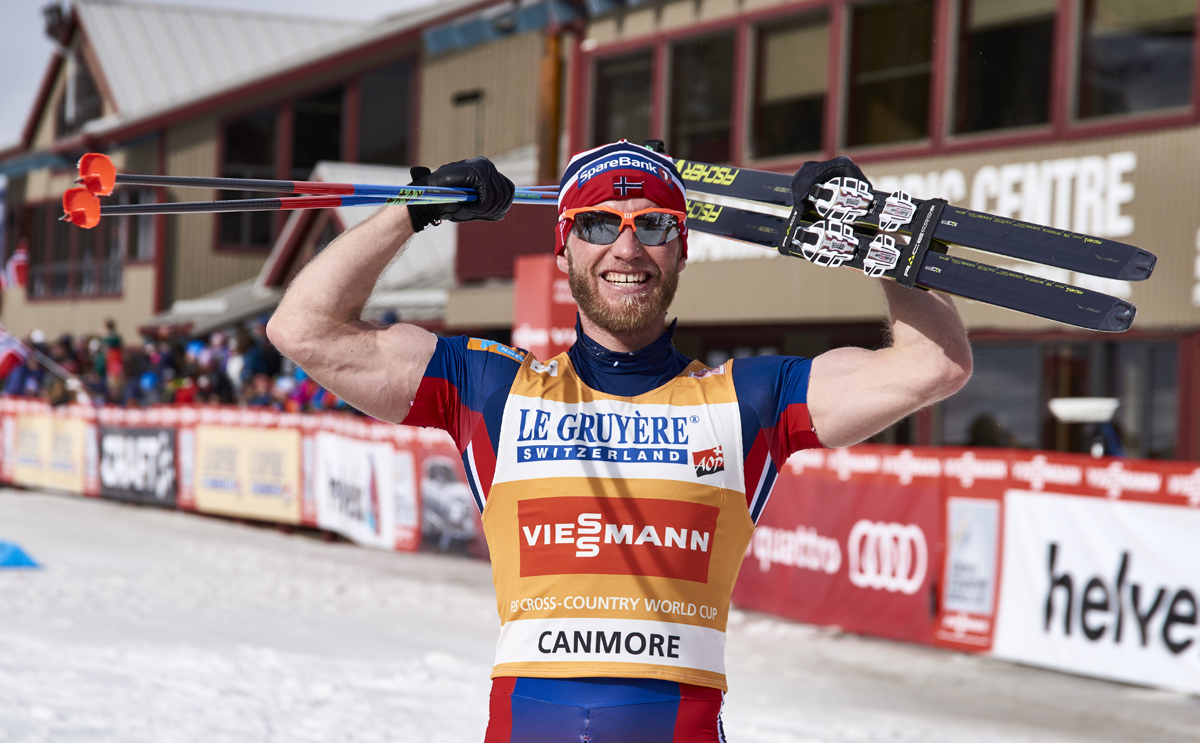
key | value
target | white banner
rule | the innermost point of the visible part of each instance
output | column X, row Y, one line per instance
column 354, row 486
column 971, row 555
column 1101, row 587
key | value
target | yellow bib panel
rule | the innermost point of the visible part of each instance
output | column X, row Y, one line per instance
column 617, row 526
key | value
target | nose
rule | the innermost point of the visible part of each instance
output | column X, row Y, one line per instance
column 627, row 246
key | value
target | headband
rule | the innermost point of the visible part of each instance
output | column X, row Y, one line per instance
column 619, row 171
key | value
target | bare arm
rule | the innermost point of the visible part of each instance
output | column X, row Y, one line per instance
column 854, row 393
column 318, row 323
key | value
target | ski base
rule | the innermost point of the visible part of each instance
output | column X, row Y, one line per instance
column 937, row 271
column 957, row 226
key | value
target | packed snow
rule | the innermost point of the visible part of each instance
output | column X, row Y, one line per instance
column 160, row 627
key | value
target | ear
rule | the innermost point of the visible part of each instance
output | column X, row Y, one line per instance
column 561, row 260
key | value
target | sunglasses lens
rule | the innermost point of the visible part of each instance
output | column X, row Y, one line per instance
column 656, row 228
column 598, row 228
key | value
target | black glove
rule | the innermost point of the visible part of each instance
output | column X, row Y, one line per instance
column 816, row 172
column 478, row 173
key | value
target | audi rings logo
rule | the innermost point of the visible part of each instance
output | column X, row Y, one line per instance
column 887, row 557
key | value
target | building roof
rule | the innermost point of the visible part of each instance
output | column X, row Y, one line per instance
column 157, row 58
column 156, row 55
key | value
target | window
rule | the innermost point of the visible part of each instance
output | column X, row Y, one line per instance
column 137, row 233
column 68, row 262
column 1005, row 51
column 249, row 153
column 890, row 64
column 316, row 131
column 1135, row 55
column 80, row 101
column 383, row 119
column 622, row 103
column 789, row 94
column 36, row 221
column 1148, row 390
column 999, row 406
column 701, row 99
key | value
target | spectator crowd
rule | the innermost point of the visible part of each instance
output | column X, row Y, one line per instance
column 238, row 367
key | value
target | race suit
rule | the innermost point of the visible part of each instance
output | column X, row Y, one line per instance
column 619, row 493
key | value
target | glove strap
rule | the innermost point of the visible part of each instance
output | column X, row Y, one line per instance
column 422, row 215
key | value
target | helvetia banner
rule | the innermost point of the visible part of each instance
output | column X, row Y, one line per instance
column 138, row 465
column 1101, row 587
column 355, row 488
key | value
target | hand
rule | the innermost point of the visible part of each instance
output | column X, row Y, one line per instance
column 478, row 173
column 815, row 172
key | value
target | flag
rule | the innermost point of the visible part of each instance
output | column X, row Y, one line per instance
column 13, row 353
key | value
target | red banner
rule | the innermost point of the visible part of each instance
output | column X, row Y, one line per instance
column 851, row 537
column 543, row 308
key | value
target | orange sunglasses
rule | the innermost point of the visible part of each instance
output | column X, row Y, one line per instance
column 602, row 225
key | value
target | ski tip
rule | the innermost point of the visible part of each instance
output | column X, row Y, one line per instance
column 1119, row 318
column 1139, row 267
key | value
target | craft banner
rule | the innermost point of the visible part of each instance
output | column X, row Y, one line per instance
column 249, row 472
column 138, row 465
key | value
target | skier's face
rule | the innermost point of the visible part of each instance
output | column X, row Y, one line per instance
column 625, row 287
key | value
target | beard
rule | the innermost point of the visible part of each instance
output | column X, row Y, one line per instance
column 628, row 314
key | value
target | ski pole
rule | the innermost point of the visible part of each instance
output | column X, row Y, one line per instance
column 98, row 175
column 81, row 207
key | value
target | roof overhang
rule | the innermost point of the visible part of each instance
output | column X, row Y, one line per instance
column 22, row 163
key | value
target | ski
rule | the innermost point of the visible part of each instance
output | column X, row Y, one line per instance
column 832, row 244
column 957, row 226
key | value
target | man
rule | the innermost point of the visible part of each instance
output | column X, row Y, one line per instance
column 620, row 481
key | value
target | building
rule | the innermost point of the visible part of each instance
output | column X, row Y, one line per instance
column 178, row 90
column 1083, row 115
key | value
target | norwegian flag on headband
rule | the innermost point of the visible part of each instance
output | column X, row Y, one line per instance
column 13, row 352
column 624, row 187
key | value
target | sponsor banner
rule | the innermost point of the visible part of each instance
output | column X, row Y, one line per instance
column 970, row 579
column 8, row 439
column 138, row 465
column 543, row 310
column 1102, row 588
column 611, row 640
column 450, row 519
column 186, row 450
column 853, row 540
column 352, row 483
column 407, row 516
column 253, row 472
column 973, row 486
column 52, row 451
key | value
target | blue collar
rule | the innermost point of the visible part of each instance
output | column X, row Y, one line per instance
column 626, row 374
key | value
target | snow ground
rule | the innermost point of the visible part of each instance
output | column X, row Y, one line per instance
column 161, row 627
